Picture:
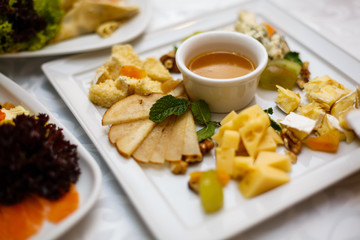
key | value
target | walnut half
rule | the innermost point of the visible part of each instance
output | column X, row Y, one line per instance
column 291, row 142
column 206, row 146
column 178, row 167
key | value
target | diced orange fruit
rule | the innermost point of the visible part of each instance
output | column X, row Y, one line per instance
column 57, row 210
column 270, row 29
column 132, row 72
column 329, row 142
column 2, row 115
column 21, row 221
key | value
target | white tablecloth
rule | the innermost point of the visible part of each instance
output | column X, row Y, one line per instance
column 333, row 213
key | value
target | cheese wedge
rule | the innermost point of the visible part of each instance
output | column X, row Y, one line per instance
column 263, row 178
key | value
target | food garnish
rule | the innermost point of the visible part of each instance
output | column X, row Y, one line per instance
column 273, row 123
column 23, row 148
column 166, row 106
column 39, row 169
column 28, row 25
column 169, row 105
column 293, row 56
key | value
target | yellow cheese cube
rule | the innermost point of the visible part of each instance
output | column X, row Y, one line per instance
column 275, row 135
column 273, row 159
column 245, row 116
column 228, row 117
column 242, row 165
column 230, row 139
column 252, row 133
column 266, row 143
column 225, row 159
column 217, row 137
column 262, row 179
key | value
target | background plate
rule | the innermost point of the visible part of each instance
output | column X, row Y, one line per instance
column 89, row 181
column 127, row 32
column 163, row 200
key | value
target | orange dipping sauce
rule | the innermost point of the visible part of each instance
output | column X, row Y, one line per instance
column 221, row 65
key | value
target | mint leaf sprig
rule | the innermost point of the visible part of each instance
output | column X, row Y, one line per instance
column 170, row 105
column 202, row 115
column 166, row 106
column 273, row 123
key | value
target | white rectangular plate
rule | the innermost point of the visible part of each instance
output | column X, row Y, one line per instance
column 89, row 183
column 164, row 201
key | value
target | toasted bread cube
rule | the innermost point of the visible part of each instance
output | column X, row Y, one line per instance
column 156, row 70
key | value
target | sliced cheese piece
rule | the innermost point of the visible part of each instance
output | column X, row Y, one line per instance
column 287, row 100
column 229, row 117
column 275, row 135
column 263, row 178
column 266, row 143
column 325, row 91
column 252, row 133
column 242, row 165
column 300, row 125
column 273, row 159
column 231, row 139
column 245, row 116
column 225, row 159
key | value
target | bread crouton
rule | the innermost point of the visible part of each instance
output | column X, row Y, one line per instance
column 126, row 55
column 155, row 70
column 106, row 93
column 147, row 86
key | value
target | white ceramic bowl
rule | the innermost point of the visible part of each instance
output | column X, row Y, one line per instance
column 222, row 95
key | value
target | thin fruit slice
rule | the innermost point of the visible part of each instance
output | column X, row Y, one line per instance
column 128, row 140
column 131, row 108
column 191, row 150
column 176, row 140
column 145, row 150
column 57, row 210
column 158, row 155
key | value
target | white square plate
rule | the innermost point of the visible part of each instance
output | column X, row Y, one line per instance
column 164, row 201
column 89, row 183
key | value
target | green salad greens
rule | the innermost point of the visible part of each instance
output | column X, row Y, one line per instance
column 28, row 24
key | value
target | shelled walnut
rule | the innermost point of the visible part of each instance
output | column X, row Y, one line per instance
column 291, row 142
column 178, row 167
column 206, row 146
column 304, row 75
